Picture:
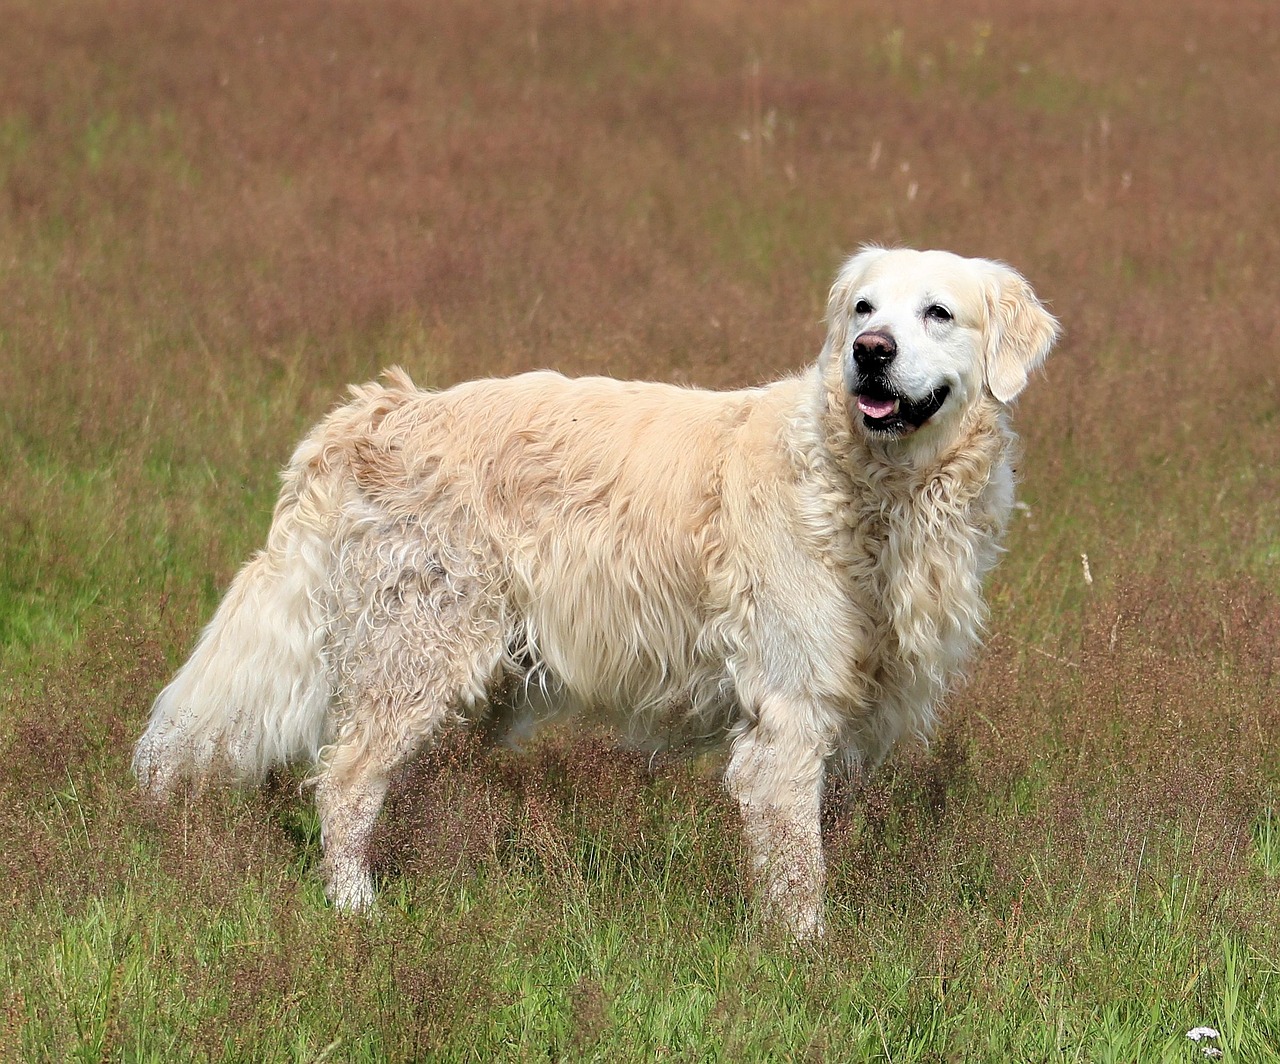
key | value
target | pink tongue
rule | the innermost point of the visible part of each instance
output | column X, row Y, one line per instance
column 875, row 407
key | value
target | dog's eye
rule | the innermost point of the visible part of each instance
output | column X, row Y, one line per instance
column 938, row 312
column 862, row 307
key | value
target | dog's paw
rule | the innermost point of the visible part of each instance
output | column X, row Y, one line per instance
column 350, row 890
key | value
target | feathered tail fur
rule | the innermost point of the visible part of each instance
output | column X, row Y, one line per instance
column 256, row 690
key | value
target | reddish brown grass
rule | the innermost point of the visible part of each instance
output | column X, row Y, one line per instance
column 214, row 215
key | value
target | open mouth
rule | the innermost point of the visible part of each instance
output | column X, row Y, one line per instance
column 887, row 413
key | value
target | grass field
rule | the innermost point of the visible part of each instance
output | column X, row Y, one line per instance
column 213, row 216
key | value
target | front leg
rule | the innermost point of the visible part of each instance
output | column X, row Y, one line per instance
column 776, row 773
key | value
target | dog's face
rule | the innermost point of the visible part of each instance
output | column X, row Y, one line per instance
column 921, row 334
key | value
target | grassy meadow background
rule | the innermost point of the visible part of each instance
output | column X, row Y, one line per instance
column 215, row 215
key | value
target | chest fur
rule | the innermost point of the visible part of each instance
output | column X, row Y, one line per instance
column 914, row 547
column 921, row 566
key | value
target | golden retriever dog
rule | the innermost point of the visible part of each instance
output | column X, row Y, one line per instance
column 796, row 567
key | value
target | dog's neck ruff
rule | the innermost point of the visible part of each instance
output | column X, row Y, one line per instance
column 913, row 534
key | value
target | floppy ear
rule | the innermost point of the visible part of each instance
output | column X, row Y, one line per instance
column 849, row 277
column 1020, row 332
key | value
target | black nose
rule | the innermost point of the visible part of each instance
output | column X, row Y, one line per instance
column 874, row 350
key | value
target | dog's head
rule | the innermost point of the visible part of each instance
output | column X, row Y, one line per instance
column 920, row 335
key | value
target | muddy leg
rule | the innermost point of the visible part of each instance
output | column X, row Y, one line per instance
column 776, row 775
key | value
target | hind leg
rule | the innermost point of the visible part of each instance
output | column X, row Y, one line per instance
column 348, row 807
column 413, row 645
column 349, row 796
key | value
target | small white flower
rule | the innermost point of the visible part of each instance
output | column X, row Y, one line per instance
column 1196, row 1034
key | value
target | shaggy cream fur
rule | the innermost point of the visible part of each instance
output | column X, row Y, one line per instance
column 797, row 567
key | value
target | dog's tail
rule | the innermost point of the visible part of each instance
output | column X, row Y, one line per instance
column 256, row 690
